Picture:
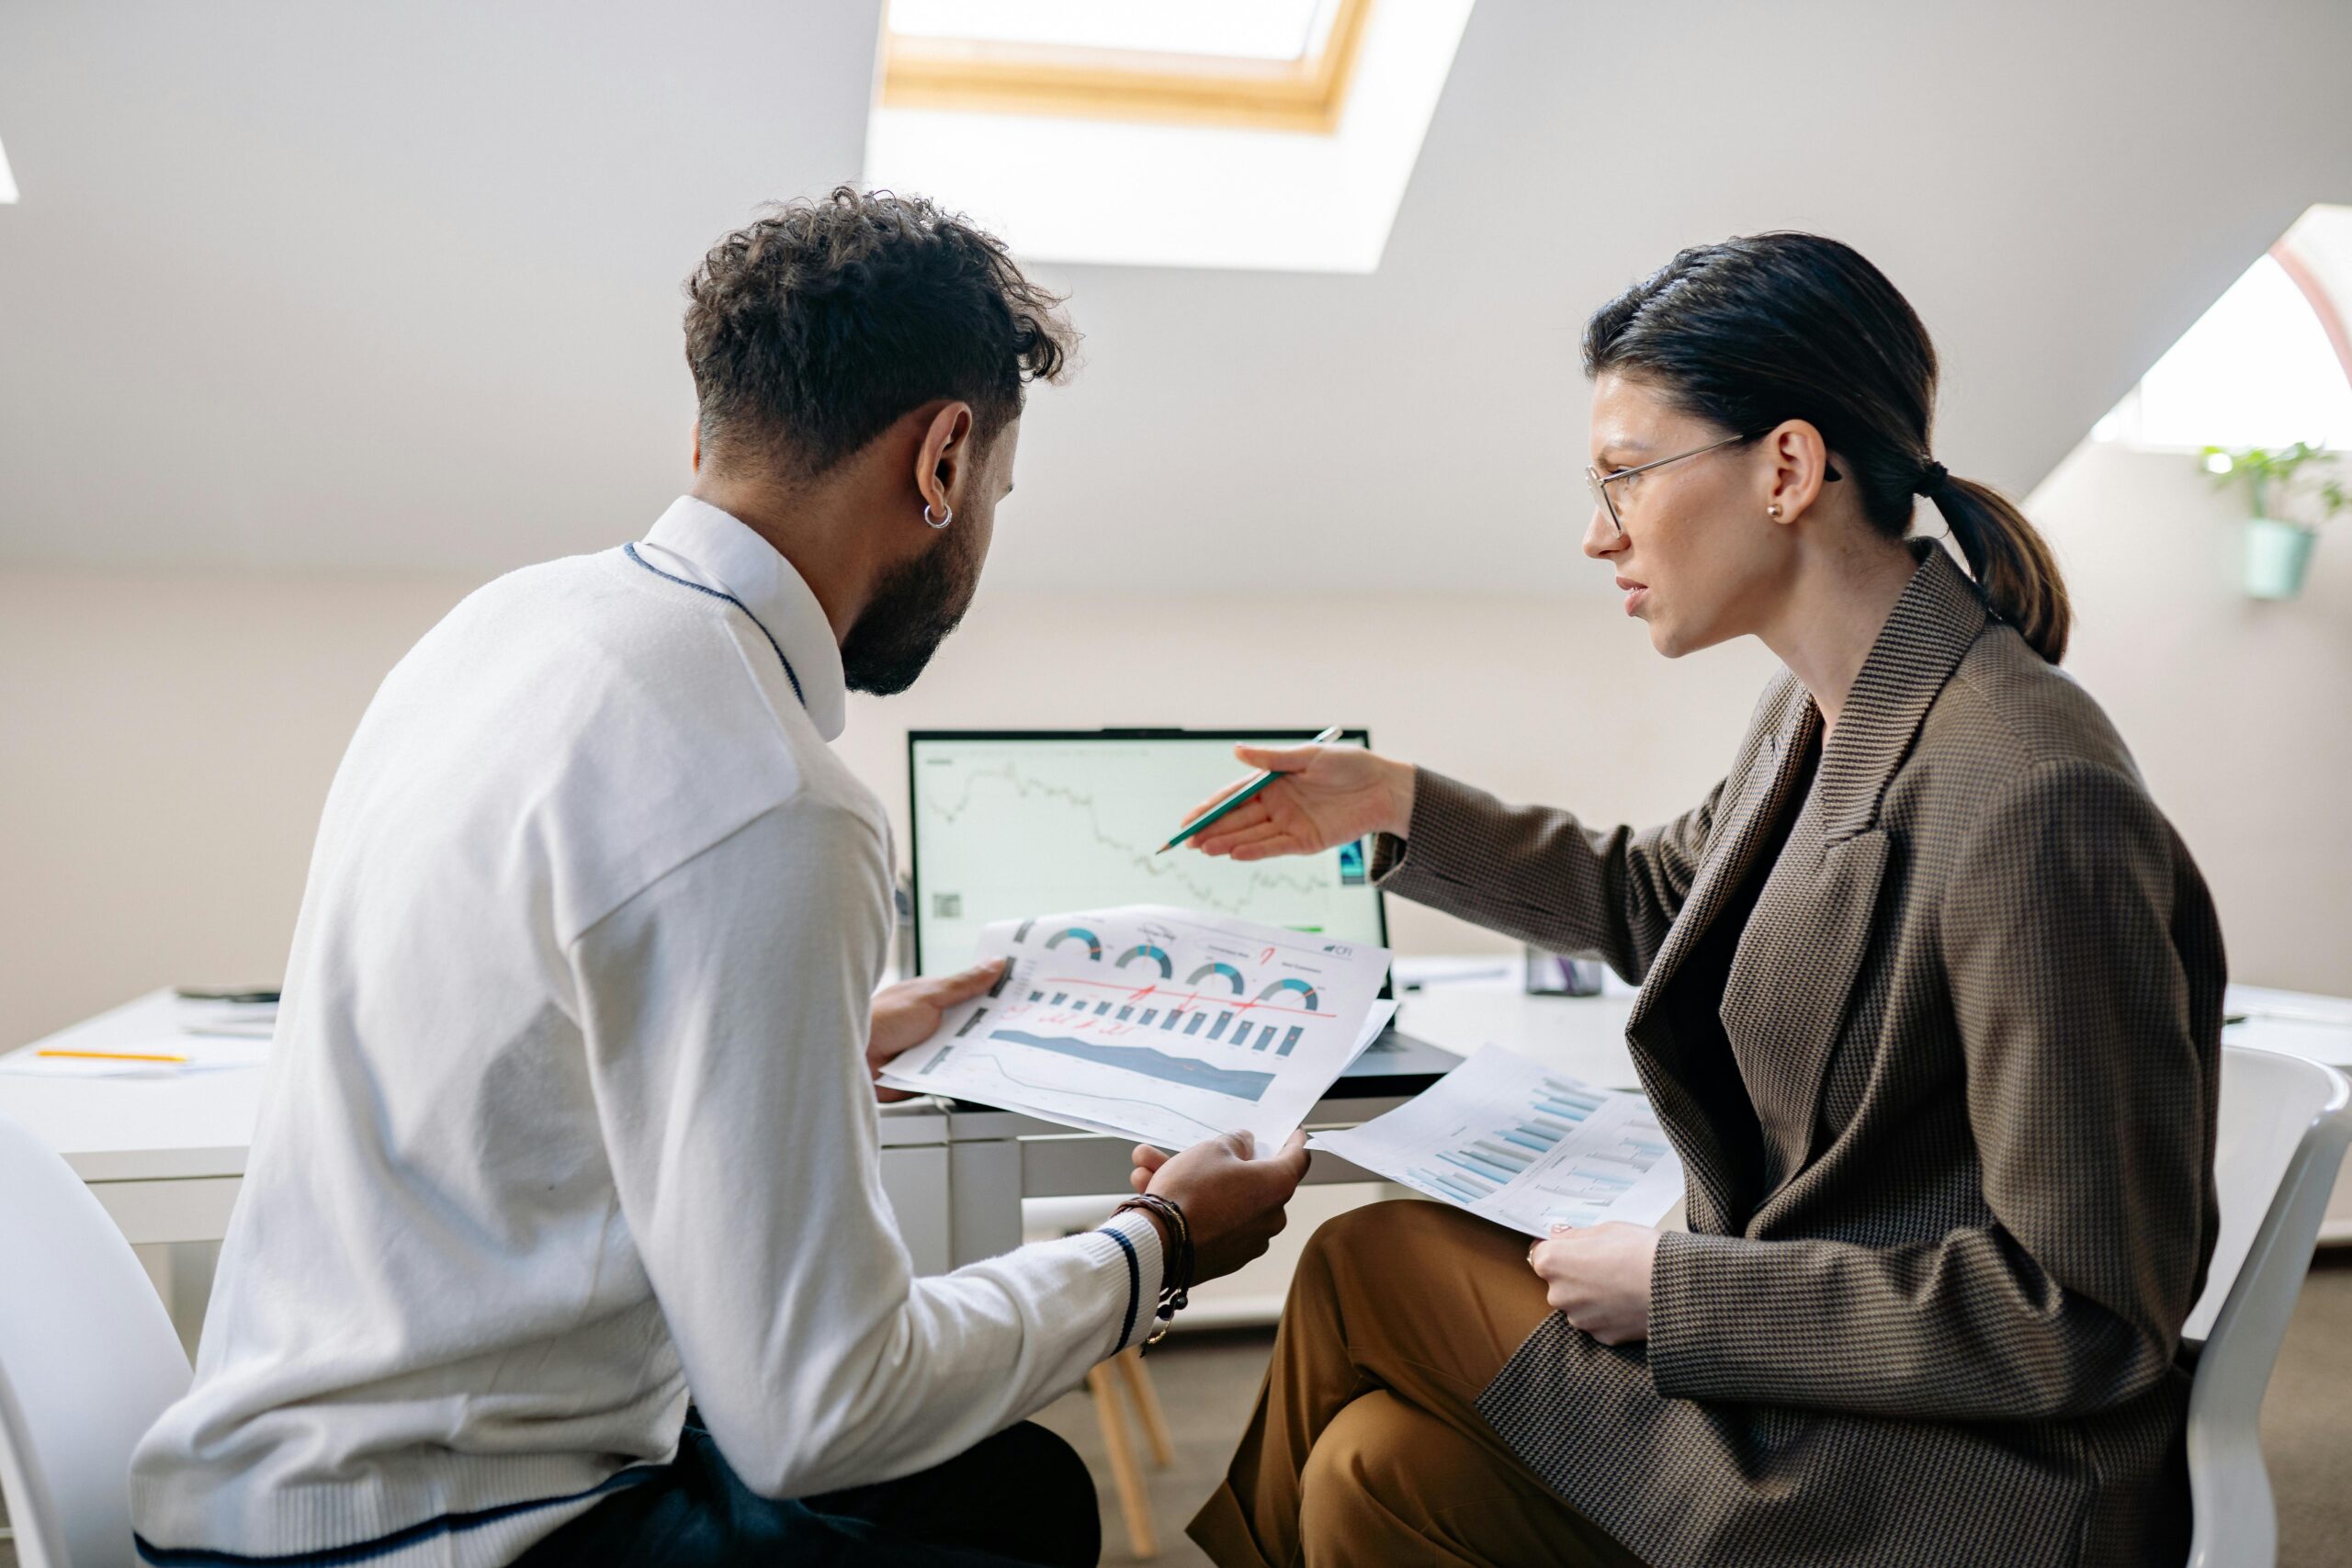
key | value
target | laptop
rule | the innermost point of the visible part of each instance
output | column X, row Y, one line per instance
column 1006, row 823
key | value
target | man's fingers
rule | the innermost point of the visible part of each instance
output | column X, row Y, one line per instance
column 1292, row 1153
column 1243, row 1143
column 1148, row 1157
column 965, row 984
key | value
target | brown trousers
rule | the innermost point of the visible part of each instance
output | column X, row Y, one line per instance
column 1367, row 1446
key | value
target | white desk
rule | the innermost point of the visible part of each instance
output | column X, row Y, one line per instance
column 165, row 1155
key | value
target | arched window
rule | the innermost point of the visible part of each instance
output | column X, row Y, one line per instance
column 2268, row 366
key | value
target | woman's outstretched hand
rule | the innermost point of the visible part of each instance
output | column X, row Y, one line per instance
column 1326, row 796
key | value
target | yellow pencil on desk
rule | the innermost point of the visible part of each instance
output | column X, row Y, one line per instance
column 114, row 1056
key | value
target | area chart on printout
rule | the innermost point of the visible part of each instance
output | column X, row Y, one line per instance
column 1090, row 1024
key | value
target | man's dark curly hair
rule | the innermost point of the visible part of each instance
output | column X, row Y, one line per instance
column 815, row 328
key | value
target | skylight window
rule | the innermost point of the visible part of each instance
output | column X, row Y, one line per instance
column 1240, row 29
column 2269, row 365
column 1219, row 134
column 1277, row 64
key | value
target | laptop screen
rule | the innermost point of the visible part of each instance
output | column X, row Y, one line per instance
column 1008, row 824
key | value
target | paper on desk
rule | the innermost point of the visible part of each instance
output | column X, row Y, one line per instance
column 1166, row 1025
column 1382, row 1013
column 1518, row 1144
column 209, row 1015
column 204, row 1053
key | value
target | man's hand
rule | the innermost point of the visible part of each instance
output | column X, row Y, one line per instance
column 1232, row 1202
column 906, row 1014
column 1599, row 1278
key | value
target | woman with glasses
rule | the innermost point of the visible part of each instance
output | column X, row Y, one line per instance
column 1930, row 1008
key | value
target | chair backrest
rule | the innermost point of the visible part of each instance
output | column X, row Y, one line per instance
column 2277, row 1112
column 2283, row 1125
column 89, row 1360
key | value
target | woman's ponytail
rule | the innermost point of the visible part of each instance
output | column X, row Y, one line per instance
column 2011, row 563
column 1773, row 327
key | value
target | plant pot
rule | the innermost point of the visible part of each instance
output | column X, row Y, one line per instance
column 2276, row 556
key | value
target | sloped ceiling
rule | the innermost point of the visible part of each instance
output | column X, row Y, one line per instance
column 396, row 287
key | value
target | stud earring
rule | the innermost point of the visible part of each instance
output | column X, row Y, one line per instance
column 1773, row 511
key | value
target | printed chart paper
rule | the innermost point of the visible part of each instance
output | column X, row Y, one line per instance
column 1522, row 1146
column 1163, row 1024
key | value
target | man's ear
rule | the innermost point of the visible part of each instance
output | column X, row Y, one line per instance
column 944, row 457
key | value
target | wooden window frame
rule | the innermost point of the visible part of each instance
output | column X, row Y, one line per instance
column 983, row 76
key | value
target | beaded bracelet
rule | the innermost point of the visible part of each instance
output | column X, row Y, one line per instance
column 1176, row 1271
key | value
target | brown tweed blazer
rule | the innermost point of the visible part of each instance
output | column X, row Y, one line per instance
column 1977, row 1008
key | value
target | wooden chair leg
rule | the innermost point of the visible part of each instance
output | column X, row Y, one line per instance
column 1135, row 1504
column 1137, row 1378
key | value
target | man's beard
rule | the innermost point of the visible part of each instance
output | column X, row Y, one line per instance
column 912, row 612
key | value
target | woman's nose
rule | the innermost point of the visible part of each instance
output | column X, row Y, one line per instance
column 1602, row 536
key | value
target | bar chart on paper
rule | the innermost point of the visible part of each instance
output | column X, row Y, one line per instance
column 1156, row 1022
column 1526, row 1147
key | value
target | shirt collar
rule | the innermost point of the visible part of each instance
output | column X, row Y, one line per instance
column 718, row 550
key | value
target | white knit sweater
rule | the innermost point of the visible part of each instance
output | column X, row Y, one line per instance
column 569, row 1119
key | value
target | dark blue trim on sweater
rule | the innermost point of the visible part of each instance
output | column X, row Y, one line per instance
column 1135, row 1281
column 383, row 1545
column 789, row 673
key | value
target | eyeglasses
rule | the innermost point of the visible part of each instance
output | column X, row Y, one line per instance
column 1600, row 482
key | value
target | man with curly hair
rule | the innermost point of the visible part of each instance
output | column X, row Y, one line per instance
column 563, row 1237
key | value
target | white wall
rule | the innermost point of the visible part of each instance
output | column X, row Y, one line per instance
column 166, row 740
column 165, row 744
column 2239, row 711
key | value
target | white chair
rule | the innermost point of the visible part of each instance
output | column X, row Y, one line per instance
column 87, row 1360
column 2283, row 1126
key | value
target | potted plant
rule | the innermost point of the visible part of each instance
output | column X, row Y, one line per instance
column 2294, row 489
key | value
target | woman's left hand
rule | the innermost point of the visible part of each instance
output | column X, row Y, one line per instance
column 1599, row 1278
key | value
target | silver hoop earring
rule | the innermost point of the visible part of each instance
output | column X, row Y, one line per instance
column 938, row 523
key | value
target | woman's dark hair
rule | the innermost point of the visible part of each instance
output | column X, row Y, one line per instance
column 815, row 328
column 1773, row 327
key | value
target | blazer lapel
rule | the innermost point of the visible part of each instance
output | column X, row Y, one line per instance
column 1786, row 1000
column 1765, row 789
